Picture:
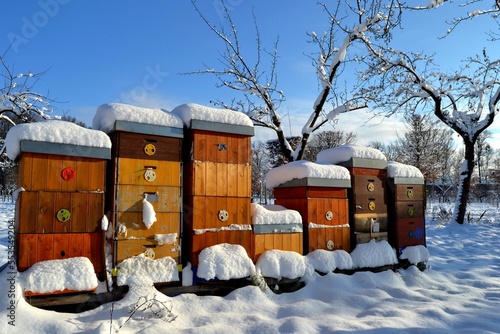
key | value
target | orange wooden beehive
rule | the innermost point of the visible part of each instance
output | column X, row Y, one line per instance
column 270, row 231
column 323, row 205
column 58, row 215
column 146, row 163
column 407, row 208
column 217, row 186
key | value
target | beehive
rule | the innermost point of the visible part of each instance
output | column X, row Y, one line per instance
column 59, row 213
column 407, row 208
column 146, row 165
column 367, row 195
column 217, row 178
column 275, row 227
column 319, row 194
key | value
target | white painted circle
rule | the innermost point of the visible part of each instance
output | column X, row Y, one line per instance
column 223, row 215
column 329, row 215
column 330, row 245
column 150, row 175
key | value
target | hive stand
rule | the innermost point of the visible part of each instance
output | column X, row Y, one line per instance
column 322, row 202
column 146, row 163
column 407, row 208
column 367, row 200
column 59, row 214
column 217, row 186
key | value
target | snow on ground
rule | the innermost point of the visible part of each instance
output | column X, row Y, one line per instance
column 458, row 293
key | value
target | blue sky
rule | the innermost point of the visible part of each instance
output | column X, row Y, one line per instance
column 134, row 51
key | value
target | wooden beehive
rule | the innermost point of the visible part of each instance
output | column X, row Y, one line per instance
column 323, row 205
column 146, row 163
column 217, row 186
column 272, row 231
column 367, row 199
column 59, row 214
column 407, row 209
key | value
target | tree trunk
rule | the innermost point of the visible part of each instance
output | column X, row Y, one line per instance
column 464, row 184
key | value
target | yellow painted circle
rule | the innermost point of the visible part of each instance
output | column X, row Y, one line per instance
column 63, row 215
column 371, row 186
column 149, row 149
column 409, row 193
column 411, row 211
column 371, row 206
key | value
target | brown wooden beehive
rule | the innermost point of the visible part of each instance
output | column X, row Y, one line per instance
column 59, row 214
column 217, row 186
column 146, row 163
column 323, row 206
column 367, row 200
column 407, row 208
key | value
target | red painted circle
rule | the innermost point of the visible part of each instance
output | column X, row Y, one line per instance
column 68, row 174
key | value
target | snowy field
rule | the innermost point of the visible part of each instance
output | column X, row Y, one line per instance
column 458, row 293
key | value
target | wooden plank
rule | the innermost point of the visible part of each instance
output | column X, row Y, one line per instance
column 131, row 145
column 40, row 167
column 129, row 248
column 26, row 251
column 167, row 222
column 410, row 232
column 220, row 147
column 133, row 172
column 64, row 201
column 45, row 247
column 129, row 198
column 46, row 212
column 310, row 192
column 26, row 218
column 413, row 192
column 25, row 170
column 223, row 178
column 409, row 209
column 367, row 171
column 319, row 237
column 360, row 204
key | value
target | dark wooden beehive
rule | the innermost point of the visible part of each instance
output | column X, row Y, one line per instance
column 217, row 186
column 323, row 206
column 367, row 200
column 146, row 163
column 59, row 214
column 407, row 209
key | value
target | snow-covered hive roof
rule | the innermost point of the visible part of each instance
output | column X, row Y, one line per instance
column 58, row 137
column 200, row 117
column 118, row 116
column 307, row 173
column 404, row 174
column 353, row 156
column 275, row 218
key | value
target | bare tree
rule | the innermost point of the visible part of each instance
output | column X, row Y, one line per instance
column 355, row 22
column 261, row 164
column 484, row 153
column 466, row 101
column 425, row 145
column 327, row 139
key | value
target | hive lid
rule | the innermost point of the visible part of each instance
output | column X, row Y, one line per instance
column 276, row 228
column 197, row 124
column 65, row 149
column 407, row 180
column 151, row 129
column 364, row 163
column 316, row 182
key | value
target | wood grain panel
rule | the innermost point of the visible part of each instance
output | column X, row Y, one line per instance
column 310, row 192
column 220, row 147
column 406, row 192
column 206, row 211
column 129, row 198
column 319, row 237
column 132, row 172
column 131, row 145
column 89, row 173
column 167, row 222
column 37, row 212
column 130, row 247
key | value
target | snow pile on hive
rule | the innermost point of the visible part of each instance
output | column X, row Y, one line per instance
column 53, row 131
column 396, row 169
column 347, row 152
column 326, row 261
column 304, row 169
column 373, row 254
column 107, row 114
column 157, row 270
column 415, row 254
column 190, row 111
column 274, row 214
column 75, row 273
column 224, row 261
column 278, row 264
